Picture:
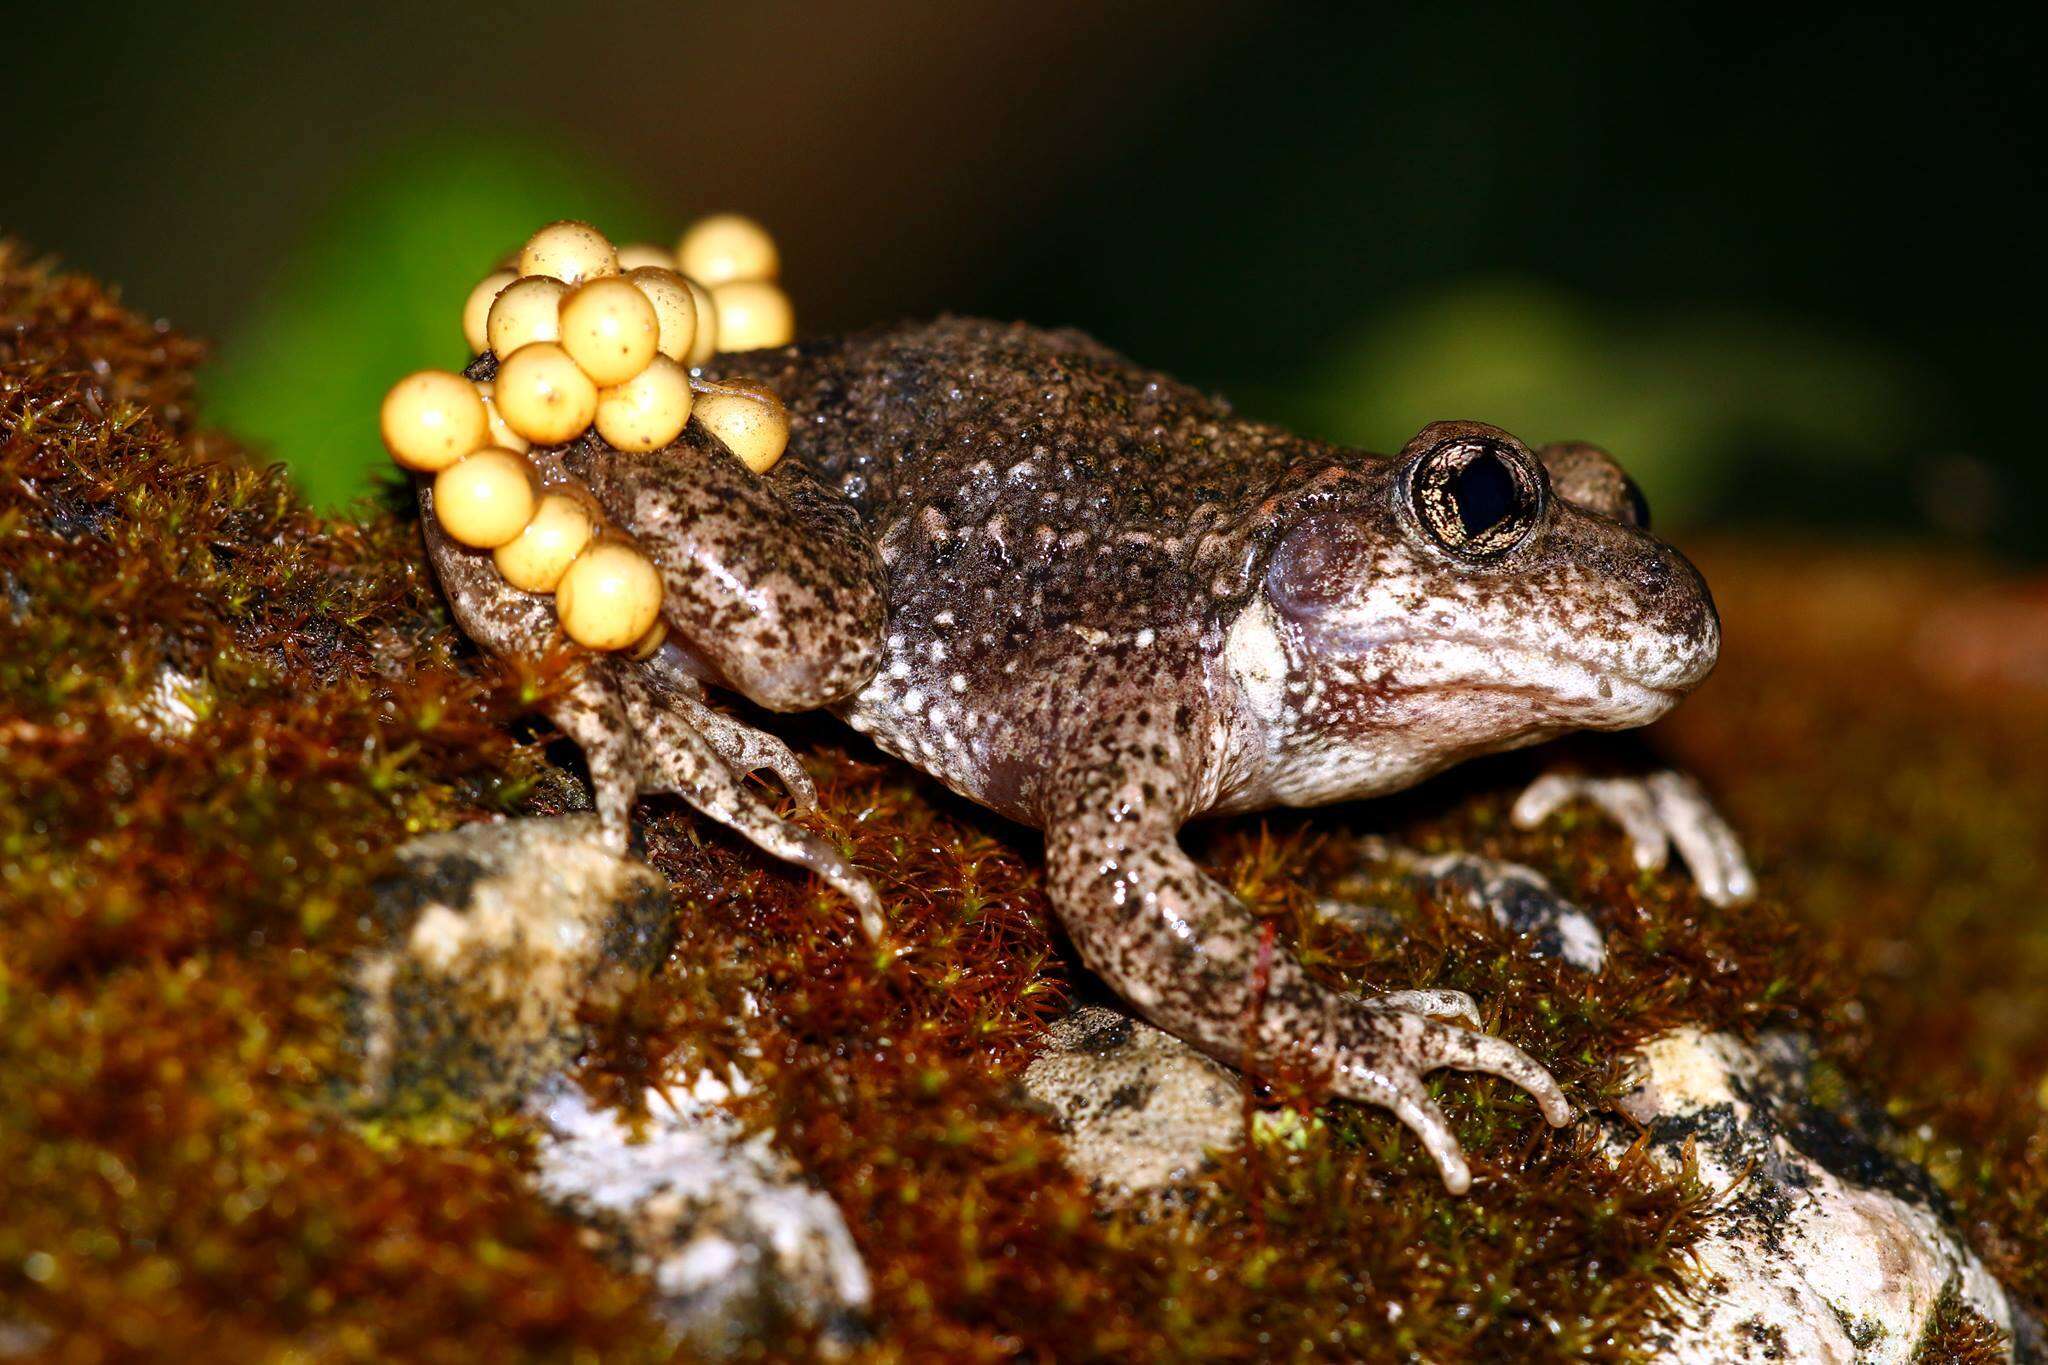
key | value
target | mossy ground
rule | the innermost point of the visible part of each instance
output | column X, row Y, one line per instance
column 218, row 713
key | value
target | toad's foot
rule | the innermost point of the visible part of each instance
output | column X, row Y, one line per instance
column 1386, row 1066
column 1190, row 958
column 1520, row 900
column 1657, row 812
column 639, row 733
column 745, row 749
column 702, row 756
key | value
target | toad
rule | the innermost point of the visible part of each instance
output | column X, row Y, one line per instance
column 1097, row 601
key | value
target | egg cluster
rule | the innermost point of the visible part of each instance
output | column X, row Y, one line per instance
column 587, row 334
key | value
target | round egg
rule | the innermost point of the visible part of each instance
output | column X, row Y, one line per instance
column 727, row 246
column 485, row 499
column 648, row 410
column 544, row 395
column 476, row 311
column 525, row 311
column 640, row 255
column 610, row 597
column 675, row 309
column 431, row 419
column 705, row 344
column 610, row 328
column 570, row 251
column 537, row 558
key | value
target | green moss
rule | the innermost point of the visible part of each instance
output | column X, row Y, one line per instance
column 181, row 900
column 1958, row 1335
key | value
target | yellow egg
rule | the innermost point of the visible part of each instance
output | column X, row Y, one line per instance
column 640, row 255
column 675, row 308
column 502, row 434
column 727, row 246
column 610, row 597
column 536, row 560
column 544, row 395
column 609, row 328
column 646, row 645
column 570, row 251
column 648, row 410
column 432, row 419
column 752, row 314
column 525, row 311
column 476, row 313
column 705, row 344
column 486, row 499
column 748, row 418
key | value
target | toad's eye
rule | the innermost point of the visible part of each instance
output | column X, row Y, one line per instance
column 1476, row 497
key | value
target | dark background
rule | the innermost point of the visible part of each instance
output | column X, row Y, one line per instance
column 1784, row 265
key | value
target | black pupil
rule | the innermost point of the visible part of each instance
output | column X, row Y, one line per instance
column 1485, row 493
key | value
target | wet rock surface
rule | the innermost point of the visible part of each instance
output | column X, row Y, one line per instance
column 1826, row 1246
column 495, row 934
column 1138, row 1109
column 738, row 1247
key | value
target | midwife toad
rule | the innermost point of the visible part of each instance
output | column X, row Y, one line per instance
column 1095, row 600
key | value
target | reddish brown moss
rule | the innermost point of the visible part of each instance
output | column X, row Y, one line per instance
column 179, row 898
column 179, row 906
column 889, row 1073
column 1959, row 1335
column 1897, row 790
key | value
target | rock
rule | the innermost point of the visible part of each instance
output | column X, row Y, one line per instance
column 1827, row 1247
column 738, row 1248
column 1139, row 1108
column 496, row 933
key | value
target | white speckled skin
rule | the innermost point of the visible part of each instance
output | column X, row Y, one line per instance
column 1097, row 601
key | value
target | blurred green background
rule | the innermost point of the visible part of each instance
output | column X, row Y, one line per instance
column 1782, row 263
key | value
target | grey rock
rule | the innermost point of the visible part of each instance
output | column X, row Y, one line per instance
column 738, row 1248
column 1825, row 1246
column 494, row 935
column 1139, row 1109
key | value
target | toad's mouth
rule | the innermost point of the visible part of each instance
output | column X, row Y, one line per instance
column 1572, row 685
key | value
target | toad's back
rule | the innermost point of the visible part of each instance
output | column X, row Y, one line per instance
column 909, row 417
column 1043, row 507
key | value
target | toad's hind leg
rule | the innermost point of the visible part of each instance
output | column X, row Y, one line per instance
column 1187, row 955
column 769, row 581
column 645, row 726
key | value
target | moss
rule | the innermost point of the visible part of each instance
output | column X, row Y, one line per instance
column 182, row 896
column 1959, row 1335
column 1897, row 790
column 216, row 712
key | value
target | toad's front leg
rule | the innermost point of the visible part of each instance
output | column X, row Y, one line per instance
column 1660, row 811
column 1184, row 952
